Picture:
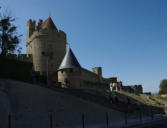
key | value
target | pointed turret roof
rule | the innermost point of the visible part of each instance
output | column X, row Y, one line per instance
column 48, row 23
column 69, row 61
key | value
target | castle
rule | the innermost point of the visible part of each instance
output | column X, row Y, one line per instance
column 46, row 46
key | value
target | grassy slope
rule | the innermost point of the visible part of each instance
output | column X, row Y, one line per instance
column 32, row 104
column 103, row 99
column 148, row 100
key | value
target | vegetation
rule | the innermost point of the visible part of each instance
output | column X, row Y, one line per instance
column 9, row 38
column 163, row 87
column 10, row 66
column 15, row 69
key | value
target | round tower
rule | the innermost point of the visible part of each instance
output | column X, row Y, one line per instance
column 69, row 72
column 48, row 47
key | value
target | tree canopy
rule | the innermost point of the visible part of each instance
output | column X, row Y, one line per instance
column 163, row 87
column 9, row 38
column 163, row 84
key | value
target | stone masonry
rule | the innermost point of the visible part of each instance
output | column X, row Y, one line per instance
column 46, row 44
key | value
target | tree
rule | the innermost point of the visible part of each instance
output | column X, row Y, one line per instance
column 161, row 92
column 9, row 39
column 163, row 85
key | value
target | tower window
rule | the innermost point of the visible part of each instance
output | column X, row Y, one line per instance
column 62, row 71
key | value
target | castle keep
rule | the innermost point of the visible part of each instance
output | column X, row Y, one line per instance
column 46, row 44
column 46, row 47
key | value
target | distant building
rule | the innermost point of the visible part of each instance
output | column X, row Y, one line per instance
column 133, row 88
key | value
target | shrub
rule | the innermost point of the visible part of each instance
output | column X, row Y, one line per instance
column 164, row 91
column 15, row 69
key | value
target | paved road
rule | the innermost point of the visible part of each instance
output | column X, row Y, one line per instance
column 163, row 125
column 160, row 124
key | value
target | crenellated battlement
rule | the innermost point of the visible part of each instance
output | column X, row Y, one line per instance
column 133, row 88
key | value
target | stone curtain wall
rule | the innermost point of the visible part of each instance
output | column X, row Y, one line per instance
column 133, row 89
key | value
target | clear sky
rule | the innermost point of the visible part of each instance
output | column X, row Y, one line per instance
column 128, row 38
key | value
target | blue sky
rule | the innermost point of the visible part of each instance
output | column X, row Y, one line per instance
column 128, row 38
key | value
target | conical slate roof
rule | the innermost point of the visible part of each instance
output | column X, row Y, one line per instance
column 69, row 61
column 48, row 23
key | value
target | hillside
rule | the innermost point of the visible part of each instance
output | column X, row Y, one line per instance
column 151, row 101
column 31, row 104
column 148, row 103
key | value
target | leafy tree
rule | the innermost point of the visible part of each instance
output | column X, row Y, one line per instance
column 161, row 92
column 163, row 85
column 9, row 38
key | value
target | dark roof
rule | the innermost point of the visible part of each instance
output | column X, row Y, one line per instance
column 48, row 23
column 69, row 61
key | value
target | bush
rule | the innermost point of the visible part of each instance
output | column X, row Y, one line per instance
column 163, row 84
column 164, row 91
column 15, row 69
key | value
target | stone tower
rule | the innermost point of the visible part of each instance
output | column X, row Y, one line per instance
column 69, row 72
column 98, row 71
column 47, row 45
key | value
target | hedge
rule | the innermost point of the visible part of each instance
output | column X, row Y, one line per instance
column 13, row 68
